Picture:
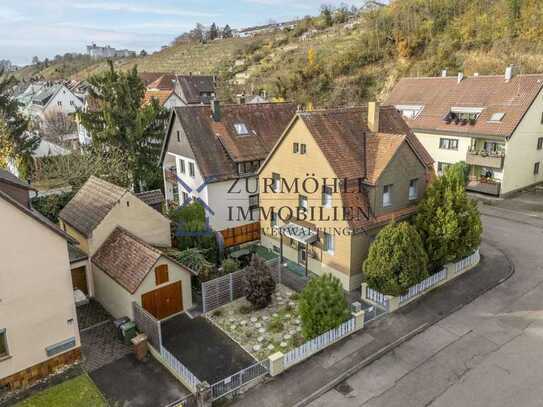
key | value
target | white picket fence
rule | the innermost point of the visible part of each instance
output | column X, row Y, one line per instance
column 188, row 377
column 320, row 342
column 467, row 262
column 424, row 285
column 377, row 297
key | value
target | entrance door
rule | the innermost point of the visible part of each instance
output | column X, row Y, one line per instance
column 302, row 254
column 165, row 301
column 79, row 279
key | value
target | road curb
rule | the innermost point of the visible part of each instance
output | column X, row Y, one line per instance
column 383, row 351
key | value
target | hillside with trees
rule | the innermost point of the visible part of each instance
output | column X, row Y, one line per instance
column 345, row 56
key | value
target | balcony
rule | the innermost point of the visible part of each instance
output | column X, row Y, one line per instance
column 484, row 186
column 484, row 158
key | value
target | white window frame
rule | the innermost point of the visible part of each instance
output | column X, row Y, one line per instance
column 327, row 196
column 387, row 196
column 276, row 182
column 410, row 111
column 413, row 193
column 3, row 333
column 241, row 129
column 329, row 244
column 192, row 170
column 182, row 166
column 303, row 202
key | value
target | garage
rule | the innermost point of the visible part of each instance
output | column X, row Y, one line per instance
column 165, row 301
column 128, row 270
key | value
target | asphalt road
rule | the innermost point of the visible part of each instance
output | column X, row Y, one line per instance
column 489, row 353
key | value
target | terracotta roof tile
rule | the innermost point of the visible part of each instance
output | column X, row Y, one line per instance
column 166, row 82
column 491, row 93
column 91, row 204
column 151, row 198
column 161, row 95
column 355, row 153
column 217, row 146
column 126, row 259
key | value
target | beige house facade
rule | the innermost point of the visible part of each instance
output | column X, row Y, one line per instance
column 493, row 123
column 126, row 240
column 361, row 167
column 38, row 322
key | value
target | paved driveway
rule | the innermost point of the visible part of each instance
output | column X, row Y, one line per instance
column 204, row 349
column 489, row 353
column 130, row 383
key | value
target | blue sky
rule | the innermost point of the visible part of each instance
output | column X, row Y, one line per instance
column 49, row 27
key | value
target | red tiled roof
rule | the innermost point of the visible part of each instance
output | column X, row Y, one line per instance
column 161, row 95
column 164, row 82
column 355, row 153
column 126, row 258
column 491, row 93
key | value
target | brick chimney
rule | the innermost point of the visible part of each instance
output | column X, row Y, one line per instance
column 509, row 73
column 373, row 116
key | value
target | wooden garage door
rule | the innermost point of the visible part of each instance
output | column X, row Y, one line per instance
column 79, row 279
column 165, row 301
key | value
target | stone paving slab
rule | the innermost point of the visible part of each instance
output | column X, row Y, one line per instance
column 101, row 346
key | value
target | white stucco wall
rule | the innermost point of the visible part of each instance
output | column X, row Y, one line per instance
column 36, row 298
column 521, row 151
column 118, row 301
column 431, row 143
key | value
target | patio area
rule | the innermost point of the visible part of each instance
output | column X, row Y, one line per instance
column 262, row 332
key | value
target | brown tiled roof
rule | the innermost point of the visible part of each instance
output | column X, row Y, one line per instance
column 161, row 95
column 216, row 145
column 350, row 147
column 91, row 204
column 151, row 198
column 354, row 152
column 126, row 259
column 164, row 82
column 492, row 93
column 192, row 87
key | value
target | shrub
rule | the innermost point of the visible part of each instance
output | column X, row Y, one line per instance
column 396, row 260
column 244, row 309
column 230, row 265
column 259, row 283
column 51, row 205
column 275, row 326
column 447, row 220
column 322, row 306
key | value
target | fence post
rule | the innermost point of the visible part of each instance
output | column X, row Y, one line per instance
column 204, row 289
column 277, row 363
column 359, row 320
column 204, row 396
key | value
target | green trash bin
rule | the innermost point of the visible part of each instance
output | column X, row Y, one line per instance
column 128, row 331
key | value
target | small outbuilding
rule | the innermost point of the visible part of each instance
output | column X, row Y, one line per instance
column 127, row 269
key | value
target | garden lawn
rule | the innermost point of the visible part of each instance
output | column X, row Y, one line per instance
column 78, row 392
column 262, row 332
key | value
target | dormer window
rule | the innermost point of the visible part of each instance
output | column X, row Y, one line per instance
column 463, row 115
column 241, row 129
column 410, row 111
column 248, row 167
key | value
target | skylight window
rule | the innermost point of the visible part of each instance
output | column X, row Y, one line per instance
column 497, row 117
column 463, row 115
column 410, row 111
column 241, row 129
